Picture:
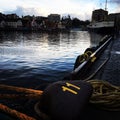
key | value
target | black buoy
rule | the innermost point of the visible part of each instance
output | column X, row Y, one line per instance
column 65, row 100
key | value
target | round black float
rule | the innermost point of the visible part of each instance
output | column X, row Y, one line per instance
column 65, row 100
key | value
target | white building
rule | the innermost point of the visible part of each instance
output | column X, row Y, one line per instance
column 14, row 23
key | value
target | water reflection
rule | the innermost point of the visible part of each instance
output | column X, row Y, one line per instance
column 95, row 39
column 41, row 55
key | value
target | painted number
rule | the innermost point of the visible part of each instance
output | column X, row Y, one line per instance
column 65, row 88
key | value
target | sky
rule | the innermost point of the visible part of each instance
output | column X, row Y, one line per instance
column 81, row 9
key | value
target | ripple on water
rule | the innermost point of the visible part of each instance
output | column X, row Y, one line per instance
column 40, row 56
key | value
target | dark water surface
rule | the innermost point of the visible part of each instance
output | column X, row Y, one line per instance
column 41, row 55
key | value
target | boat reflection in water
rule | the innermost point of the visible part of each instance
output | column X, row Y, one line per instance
column 95, row 39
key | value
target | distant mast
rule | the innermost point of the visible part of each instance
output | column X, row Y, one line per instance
column 106, row 5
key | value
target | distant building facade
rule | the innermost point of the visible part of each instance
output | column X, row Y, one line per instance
column 52, row 22
column 12, row 16
column 54, row 18
column 13, row 23
column 2, row 24
column 115, row 17
column 99, row 15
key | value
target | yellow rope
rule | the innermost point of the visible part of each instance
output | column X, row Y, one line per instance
column 84, row 56
column 105, row 95
column 88, row 53
column 81, row 59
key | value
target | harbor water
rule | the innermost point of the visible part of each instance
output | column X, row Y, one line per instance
column 41, row 56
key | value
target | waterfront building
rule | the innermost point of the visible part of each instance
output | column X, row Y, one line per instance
column 99, row 15
column 2, row 24
column 54, row 18
column 13, row 23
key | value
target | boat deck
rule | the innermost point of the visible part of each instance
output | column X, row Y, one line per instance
column 111, row 70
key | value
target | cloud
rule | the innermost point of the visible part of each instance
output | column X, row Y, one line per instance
column 76, row 8
column 115, row 1
column 22, row 11
column 84, row 16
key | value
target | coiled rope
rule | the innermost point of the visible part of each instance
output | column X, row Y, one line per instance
column 81, row 58
column 84, row 56
column 105, row 95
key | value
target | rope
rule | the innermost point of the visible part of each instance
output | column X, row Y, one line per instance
column 88, row 53
column 39, row 112
column 105, row 95
column 20, row 96
column 14, row 113
column 25, row 93
column 20, row 89
column 84, row 56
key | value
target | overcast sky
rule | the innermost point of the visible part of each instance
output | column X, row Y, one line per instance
column 81, row 9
